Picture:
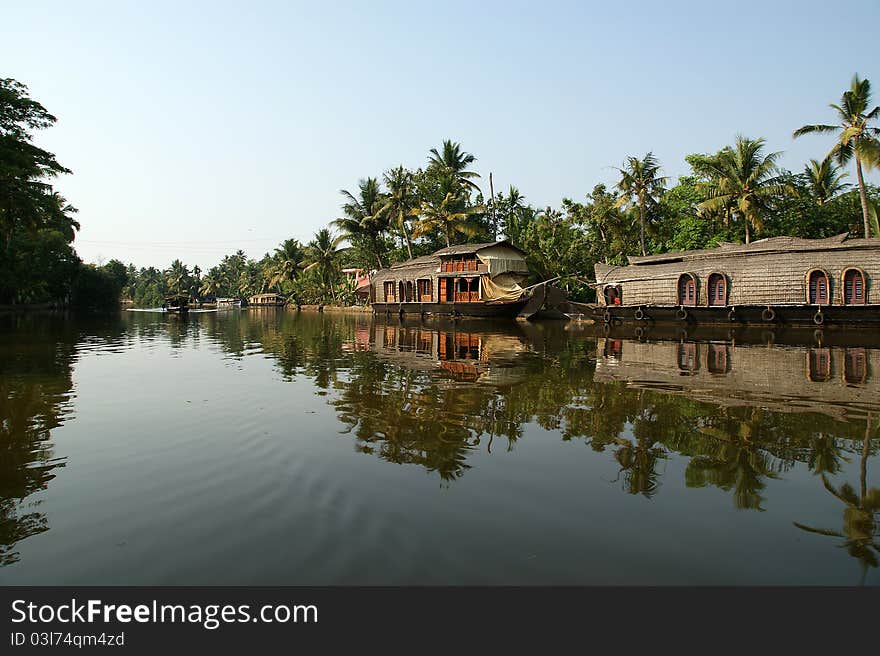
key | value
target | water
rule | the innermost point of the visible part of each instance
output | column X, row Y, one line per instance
column 266, row 447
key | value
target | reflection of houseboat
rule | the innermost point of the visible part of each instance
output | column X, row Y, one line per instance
column 832, row 380
column 776, row 280
column 226, row 303
column 478, row 280
column 267, row 300
column 177, row 303
column 465, row 355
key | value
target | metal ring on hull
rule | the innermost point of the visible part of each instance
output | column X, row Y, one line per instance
column 769, row 314
column 639, row 314
column 819, row 318
column 681, row 314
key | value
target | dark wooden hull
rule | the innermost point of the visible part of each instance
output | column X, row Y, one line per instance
column 812, row 315
column 479, row 309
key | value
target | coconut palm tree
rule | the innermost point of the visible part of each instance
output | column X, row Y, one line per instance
column 400, row 201
column 825, row 179
column 363, row 222
column 210, row 286
column 323, row 255
column 640, row 183
column 177, row 276
column 743, row 178
column 454, row 161
column 288, row 261
column 856, row 139
column 446, row 213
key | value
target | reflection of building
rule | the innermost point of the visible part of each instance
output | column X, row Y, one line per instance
column 475, row 356
column 471, row 280
column 781, row 279
column 837, row 381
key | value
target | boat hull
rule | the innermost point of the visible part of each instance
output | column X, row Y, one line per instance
column 744, row 314
column 479, row 309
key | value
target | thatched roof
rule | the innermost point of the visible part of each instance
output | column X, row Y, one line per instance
column 465, row 249
column 769, row 245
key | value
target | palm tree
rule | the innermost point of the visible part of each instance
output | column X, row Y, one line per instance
column 177, row 276
column 288, row 261
column 825, row 179
column 743, row 179
column 323, row 254
column 210, row 286
column 453, row 161
column 855, row 138
column 446, row 213
column 363, row 221
column 640, row 183
column 400, row 201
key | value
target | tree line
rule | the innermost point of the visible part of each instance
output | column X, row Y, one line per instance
column 735, row 194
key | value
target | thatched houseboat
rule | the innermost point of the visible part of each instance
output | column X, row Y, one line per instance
column 477, row 280
column 267, row 300
column 776, row 280
column 176, row 304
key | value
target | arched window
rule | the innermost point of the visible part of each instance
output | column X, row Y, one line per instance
column 717, row 289
column 818, row 288
column 854, row 292
column 613, row 295
column 819, row 365
column 687, row 289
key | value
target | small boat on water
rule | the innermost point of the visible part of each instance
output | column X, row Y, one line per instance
column 267, row 300
column 227, row 303
column 177, row 304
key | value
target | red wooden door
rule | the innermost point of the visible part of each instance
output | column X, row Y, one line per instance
column 819, row 292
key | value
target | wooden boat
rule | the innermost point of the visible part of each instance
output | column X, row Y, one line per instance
column 227, row 303
column 267, row 300
column 471, row 280
column 176, row 304
column 779, row 280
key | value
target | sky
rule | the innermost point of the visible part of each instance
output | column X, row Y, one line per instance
column 194, row 129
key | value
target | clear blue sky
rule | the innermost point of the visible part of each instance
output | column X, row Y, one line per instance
column 194, row 129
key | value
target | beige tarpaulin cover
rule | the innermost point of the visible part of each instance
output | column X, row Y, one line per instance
column 498, row 265
column 505, row 287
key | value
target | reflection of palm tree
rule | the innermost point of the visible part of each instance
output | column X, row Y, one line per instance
column 861, row 516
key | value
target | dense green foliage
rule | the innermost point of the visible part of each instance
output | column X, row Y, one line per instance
column 737, row 193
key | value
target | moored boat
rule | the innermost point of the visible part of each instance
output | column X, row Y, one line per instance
column 771, row 281
column 267, row 300
column 472, row 280
column 176, row 304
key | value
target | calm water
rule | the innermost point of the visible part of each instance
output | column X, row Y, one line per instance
column 266, row 447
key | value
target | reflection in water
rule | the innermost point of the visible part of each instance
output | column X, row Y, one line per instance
column 35, row 384
column 442, row 395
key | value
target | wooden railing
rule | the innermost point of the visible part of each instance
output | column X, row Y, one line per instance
column 463, row 265
column 467, row 297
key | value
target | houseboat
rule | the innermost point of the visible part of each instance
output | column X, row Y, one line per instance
column 176, row 303
column 227, row 303
column 778, row 280
column 475, row 280
column 267, row 300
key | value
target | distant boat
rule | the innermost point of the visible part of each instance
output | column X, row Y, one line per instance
column 267, row 300
column 177, row 303
column 228, row 303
